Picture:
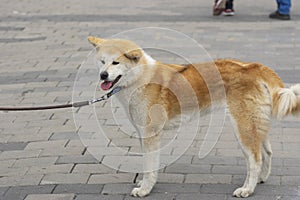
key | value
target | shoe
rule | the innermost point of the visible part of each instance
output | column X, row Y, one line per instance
column 219, row 7
column 228, row 12
column 277, row 15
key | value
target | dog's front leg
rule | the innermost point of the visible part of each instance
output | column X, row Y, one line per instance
column 151, row 165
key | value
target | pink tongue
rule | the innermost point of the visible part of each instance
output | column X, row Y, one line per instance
column 106, row 85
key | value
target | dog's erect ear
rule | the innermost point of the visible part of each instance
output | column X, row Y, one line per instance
column 134, row 55
column 95, row 41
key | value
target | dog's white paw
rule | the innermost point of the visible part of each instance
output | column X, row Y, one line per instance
column 139, row 192
column 242, row 192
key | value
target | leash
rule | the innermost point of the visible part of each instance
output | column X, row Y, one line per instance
column 70, row 105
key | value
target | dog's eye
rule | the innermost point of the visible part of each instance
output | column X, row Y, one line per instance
column 115, row 63
column 103, row 62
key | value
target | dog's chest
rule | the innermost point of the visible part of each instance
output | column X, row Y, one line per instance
column 135, row 105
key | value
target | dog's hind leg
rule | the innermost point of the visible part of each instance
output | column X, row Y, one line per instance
column 254, row 167
column 251, row 146
column 252, row 126
column 267, row 158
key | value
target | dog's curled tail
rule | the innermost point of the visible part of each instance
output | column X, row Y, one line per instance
column 286, row 101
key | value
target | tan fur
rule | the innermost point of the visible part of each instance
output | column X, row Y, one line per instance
column 254, row 93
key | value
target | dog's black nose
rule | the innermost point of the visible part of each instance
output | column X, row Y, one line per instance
column 104, row 75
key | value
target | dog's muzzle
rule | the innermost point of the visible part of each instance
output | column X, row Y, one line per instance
column 106, row 85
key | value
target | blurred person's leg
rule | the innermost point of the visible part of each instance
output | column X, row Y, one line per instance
column 219, row 7
column 229, row 11
column 283, row 10
column 284, row 6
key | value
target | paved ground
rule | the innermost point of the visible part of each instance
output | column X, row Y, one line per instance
column 42, row 46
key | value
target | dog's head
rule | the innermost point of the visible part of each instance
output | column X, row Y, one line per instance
column 122, row 61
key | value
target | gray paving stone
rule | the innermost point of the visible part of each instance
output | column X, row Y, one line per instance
column 47, row 144
column 41, row 161
column 79, row 188
column 155, row 196
column 93, row 169
column 229, row 169
column 260, row 197
column 99, row 197
column 294, row 162
column 30, row 138
column 283, row 197
column 275, row 162
column 188, row 168
column 290, row 180
column 3, row 190
column 13, row 171
column 9, row 40
column 6, row 163
column 272, row 180
column 84, row 159
column 208, row 178
column 12, row 146
column 18, row 154
column 64, row 135
column 218, row 188
column 176, row 188
column 14, row 197
column 64, row 178
column 286, row 171
column 111, row 178
column 32, row 189
column 185, row 159
column 278, row 190
column 117, row 188
column 51, row 169
column 17, row 180
column 11, row 28
column 76, row 151
column 215, row 160
column 170, row 178
column 200, row 196
column 50, row 197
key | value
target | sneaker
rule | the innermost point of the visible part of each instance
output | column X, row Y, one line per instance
column 219, row 7
column 228, row 12
column 277, row 15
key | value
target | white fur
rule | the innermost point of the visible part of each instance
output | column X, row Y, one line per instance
column 136, row 105
column 150, row 61
column 149, row 178
column 287, row 101
column 253, row 172
column 288, row 98
column 296, row 89
column 267, row 158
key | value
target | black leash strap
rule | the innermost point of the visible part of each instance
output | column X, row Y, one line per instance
column 70, row 105
column 135, row 177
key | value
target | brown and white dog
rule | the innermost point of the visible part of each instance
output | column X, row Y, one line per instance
column 254, row 94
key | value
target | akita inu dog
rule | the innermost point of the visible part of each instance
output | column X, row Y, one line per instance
column 254, row 94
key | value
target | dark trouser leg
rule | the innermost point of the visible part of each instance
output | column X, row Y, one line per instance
column 229, row 4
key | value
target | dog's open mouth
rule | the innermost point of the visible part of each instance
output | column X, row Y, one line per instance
column 106, row 85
